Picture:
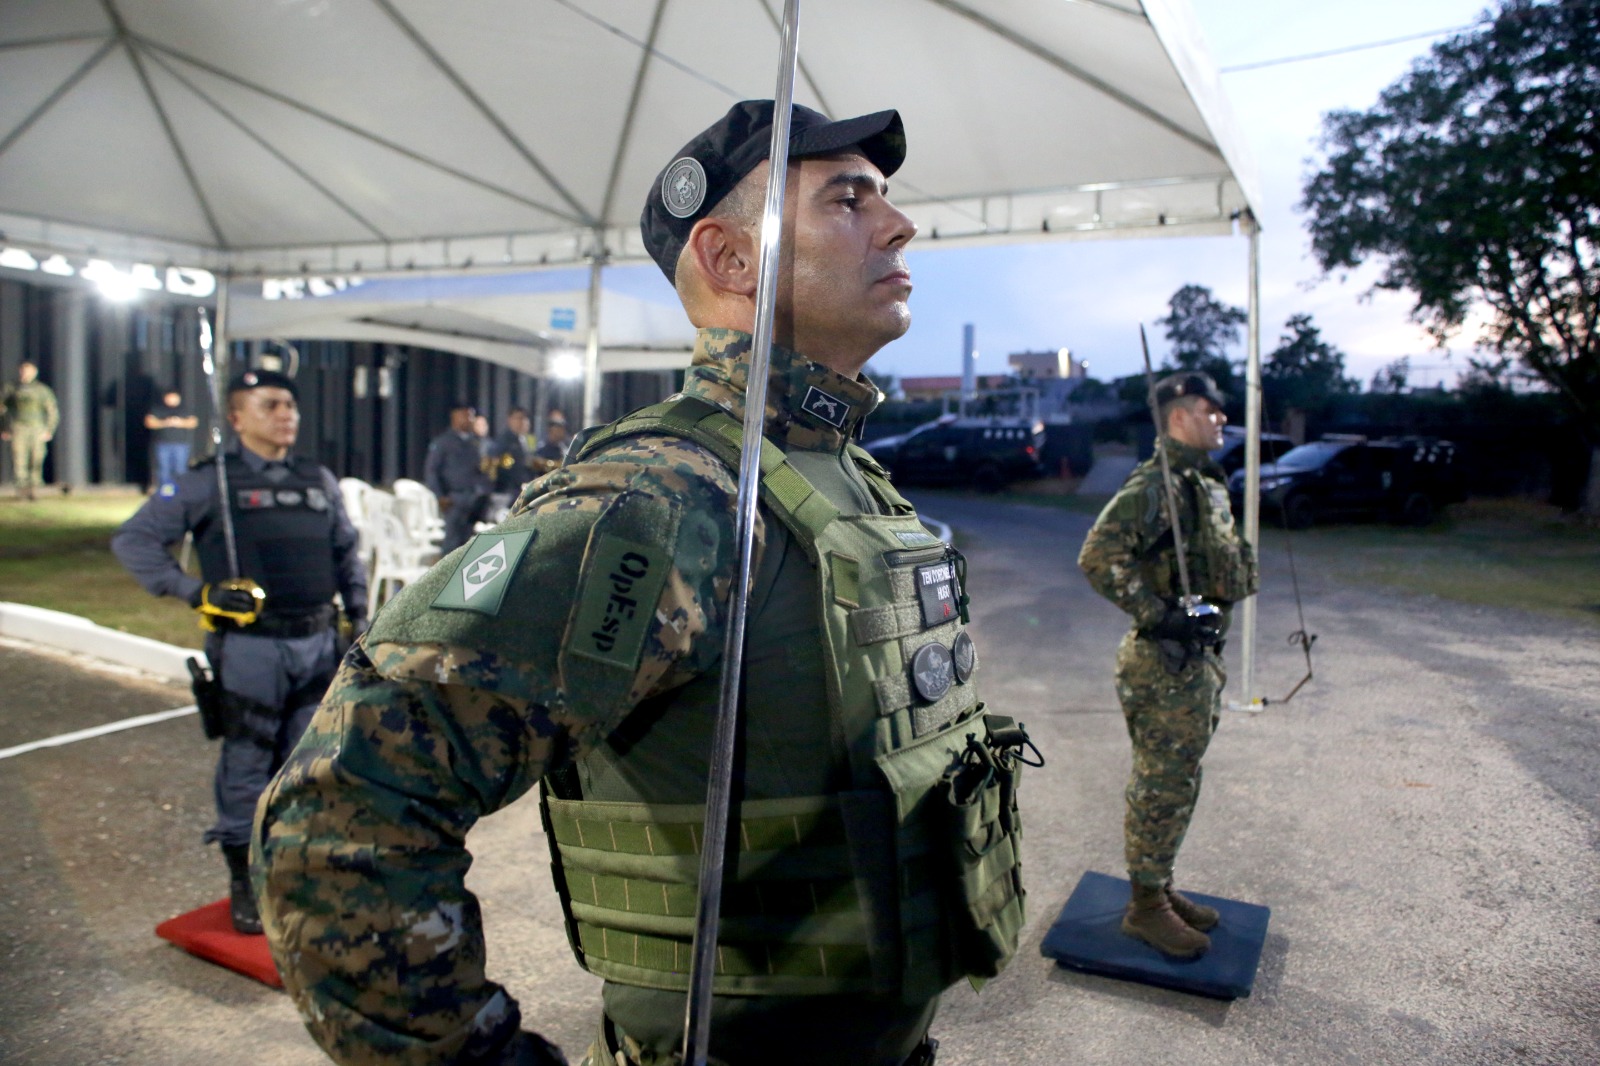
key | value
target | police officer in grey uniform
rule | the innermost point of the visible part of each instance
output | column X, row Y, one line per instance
column 273, row 639
column 454, row 470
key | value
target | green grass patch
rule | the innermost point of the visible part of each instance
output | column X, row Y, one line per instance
column 56, row 553
column 1496, row 553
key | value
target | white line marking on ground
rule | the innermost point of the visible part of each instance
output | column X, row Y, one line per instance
column 97, row 731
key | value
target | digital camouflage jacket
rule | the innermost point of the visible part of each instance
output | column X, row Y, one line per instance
column 1129, row 554
column 360, row 857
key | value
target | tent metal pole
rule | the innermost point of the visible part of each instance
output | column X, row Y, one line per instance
column 719, row 787
column 1249, row 700
column 591, row 354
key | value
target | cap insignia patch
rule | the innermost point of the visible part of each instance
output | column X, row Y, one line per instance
column 683, row 187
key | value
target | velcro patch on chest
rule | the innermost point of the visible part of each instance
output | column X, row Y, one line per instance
column 936, row 592
column 255, row 499
column 485, row 572
column 617, row 600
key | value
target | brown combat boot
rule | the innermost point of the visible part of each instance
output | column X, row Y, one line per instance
column 1195, row 915
column 1150, row 918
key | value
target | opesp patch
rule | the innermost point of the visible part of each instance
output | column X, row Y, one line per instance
column 484, row 573
column 617, row 600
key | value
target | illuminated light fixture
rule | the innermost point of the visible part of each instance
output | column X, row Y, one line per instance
column 112, row 283
column 17, row 259
column 182, row 282
column 57, row 265
column 568, row 366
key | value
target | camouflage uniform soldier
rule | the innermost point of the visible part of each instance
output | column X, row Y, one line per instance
column 1169, row 665
column 31, row 416
column 577, row 647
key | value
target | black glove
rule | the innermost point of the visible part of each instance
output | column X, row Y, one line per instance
column 1196, row 627
column 358, row 624
column 228, row 599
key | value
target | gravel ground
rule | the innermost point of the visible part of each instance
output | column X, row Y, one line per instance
column 1422, row 820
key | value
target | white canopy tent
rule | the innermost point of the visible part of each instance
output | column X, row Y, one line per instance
column 369, row 137
column 526, row 320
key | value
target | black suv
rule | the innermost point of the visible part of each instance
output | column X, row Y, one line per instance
column 986, row 453
column 1231, row 455
column 1406, row 480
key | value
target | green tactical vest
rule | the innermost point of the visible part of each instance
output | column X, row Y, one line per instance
column 903, row 878
column 1222, row 564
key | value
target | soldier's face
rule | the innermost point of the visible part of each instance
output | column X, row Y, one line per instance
column 845, row 284
column 1199, row 425
column 266, row 419
column 27, row 372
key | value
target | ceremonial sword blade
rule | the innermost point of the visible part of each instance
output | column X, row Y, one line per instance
column 1170, row 493
column 708, row 913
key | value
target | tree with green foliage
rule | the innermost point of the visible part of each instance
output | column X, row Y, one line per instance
column 1201, row 329
column 1392, row 378
column 1303, row 371
column 1475, row 181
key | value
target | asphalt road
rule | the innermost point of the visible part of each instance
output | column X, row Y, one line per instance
column 1423, row 820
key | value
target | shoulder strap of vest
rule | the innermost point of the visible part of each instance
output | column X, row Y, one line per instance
column 796, row 502
column 877, row 479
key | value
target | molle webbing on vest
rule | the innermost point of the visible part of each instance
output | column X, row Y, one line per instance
column 793, row 923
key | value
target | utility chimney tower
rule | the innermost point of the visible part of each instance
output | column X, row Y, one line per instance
column 969, row 364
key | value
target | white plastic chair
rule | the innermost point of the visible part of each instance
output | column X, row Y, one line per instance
column 418, row 509
column 398, row 558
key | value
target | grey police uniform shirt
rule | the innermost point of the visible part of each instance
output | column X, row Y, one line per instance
column 142, row 542
column 454, row 465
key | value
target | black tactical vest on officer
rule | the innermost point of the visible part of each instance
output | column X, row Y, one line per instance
column 902, row 873
column 283, row 531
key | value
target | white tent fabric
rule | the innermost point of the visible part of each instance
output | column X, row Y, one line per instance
column 523, row 320
column 358, row 136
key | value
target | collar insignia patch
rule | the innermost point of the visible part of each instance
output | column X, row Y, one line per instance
column 830, row 409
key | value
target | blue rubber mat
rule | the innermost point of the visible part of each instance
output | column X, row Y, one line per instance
column 1088, row 936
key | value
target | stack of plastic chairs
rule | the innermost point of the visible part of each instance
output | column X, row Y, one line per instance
column 354, row 491
column 400, row 559
column 418, row 510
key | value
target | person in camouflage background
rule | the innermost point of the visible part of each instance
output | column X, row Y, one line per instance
column 29, row 414
column 360, row 857
column 1169, row 672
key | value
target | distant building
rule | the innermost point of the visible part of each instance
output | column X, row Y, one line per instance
column 1048, row 366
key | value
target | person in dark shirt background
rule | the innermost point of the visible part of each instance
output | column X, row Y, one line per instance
column 171, row 425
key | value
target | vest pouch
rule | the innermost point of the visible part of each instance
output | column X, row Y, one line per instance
column 980, row 834
column 964, row 915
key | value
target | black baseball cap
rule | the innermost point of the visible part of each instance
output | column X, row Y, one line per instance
column 1188, row 383
column 246, row 380
column 706, row 169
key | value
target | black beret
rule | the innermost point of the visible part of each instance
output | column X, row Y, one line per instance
column 1188, row 383
column 707, row 168
column 262, row 379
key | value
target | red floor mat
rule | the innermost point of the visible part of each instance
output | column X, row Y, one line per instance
column 209, row 933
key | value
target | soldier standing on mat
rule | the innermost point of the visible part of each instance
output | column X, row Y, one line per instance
column 272, row 642
column 30, row 417
column 577, row 648
column 1169, row 665
column 454, row 470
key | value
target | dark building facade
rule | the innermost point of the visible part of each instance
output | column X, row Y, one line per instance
column 368, row 410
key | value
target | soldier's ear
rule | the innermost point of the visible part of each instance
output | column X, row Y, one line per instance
column 724, row 255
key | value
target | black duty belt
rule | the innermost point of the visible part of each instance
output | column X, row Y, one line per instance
column 286, row 626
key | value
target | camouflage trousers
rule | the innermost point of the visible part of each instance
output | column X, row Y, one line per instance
column 1171, row 718
column 28, row 447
